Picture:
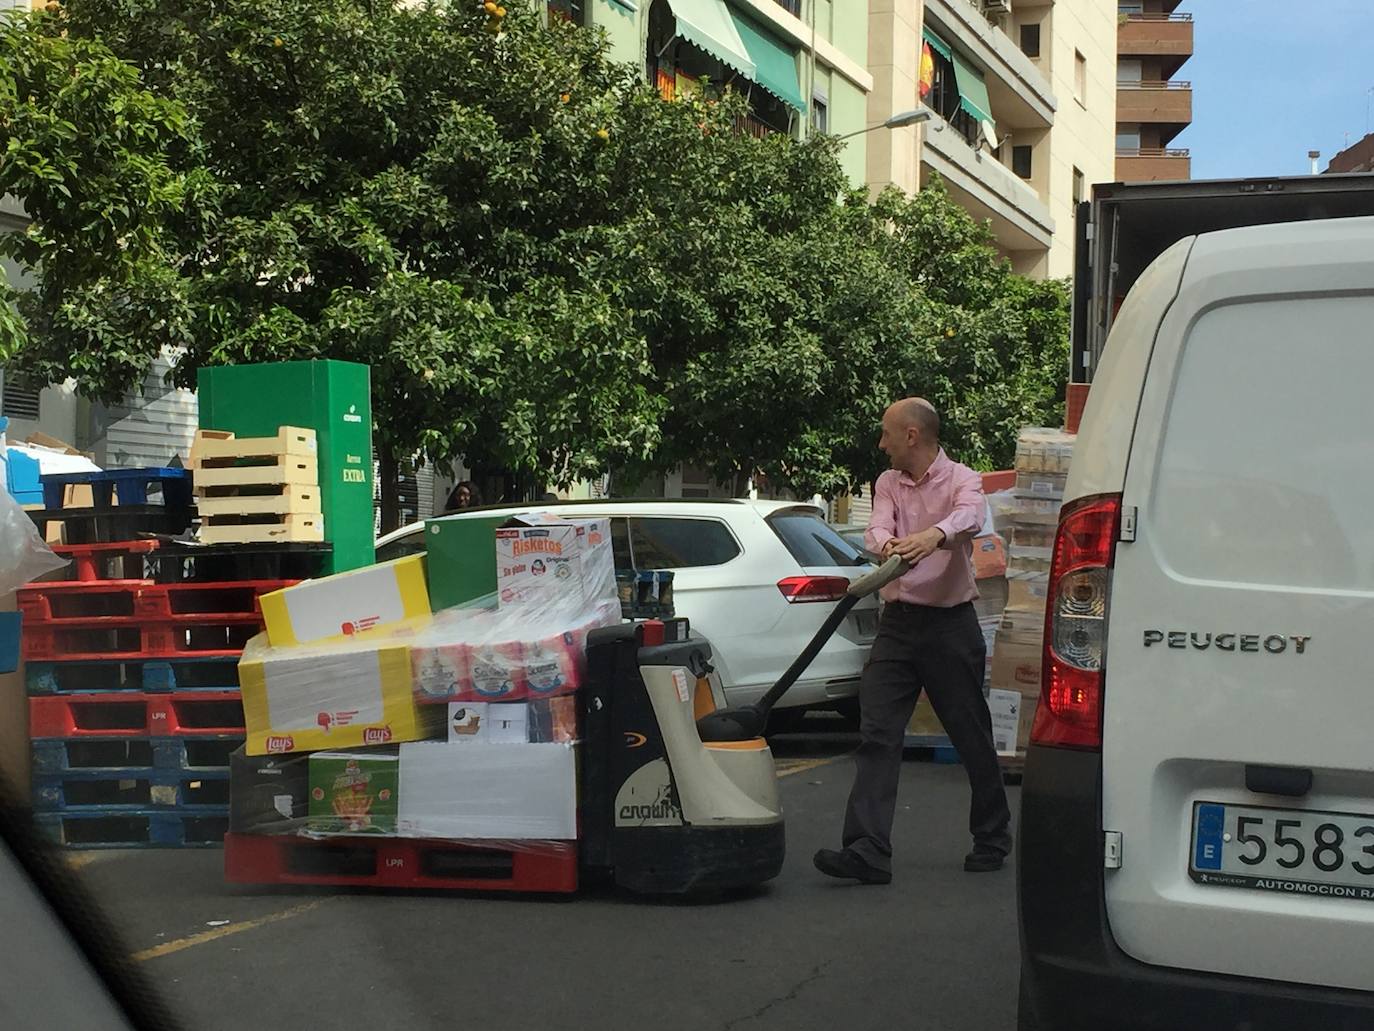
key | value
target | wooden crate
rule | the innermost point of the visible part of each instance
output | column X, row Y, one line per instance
column 295, row 527
column 285, row 469
column 284, row 499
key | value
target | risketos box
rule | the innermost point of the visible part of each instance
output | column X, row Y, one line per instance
column 542, row 559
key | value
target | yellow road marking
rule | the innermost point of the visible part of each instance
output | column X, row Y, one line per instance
column 76, row 860
column 788, row 767
column 221, row 932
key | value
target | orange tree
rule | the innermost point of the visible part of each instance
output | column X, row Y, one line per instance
column 547, row 266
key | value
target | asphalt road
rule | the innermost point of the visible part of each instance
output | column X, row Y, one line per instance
column 936, row 949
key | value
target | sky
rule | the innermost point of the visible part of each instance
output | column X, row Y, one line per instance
column 1273, row 79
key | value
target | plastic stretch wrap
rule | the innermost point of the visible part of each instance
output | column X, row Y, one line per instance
column 393, row 683
column 499, row 795
column 23, row 555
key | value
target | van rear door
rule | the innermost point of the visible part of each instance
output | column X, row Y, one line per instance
column 1238, row 737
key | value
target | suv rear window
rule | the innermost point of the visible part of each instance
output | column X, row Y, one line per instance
column 674, row 543
column 812, row 541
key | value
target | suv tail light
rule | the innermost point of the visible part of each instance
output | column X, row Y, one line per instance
column 813, row 588
column 1070, row 710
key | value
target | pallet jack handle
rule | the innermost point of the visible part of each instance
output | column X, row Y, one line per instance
column 743, row 723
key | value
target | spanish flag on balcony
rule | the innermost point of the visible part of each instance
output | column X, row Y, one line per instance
column 927, row 77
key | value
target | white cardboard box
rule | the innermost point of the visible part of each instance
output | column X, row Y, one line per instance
column 1005, row 707
column 488, row 791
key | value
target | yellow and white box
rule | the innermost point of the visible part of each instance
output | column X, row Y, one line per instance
column 304, row 700
column 341, row 606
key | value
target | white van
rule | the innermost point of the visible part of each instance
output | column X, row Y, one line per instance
column 1197, row 827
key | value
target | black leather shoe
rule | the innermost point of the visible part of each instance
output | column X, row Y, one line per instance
column 847, row 864
column 984, row 860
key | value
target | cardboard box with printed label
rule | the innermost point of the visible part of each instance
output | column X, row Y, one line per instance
column 486, row 791
column 354, row 792
column 488, row 722
column 343, row 697
column 541, row 558
column 341, row 606
column 268, row 794
column 989, row 557
column 1016, row 660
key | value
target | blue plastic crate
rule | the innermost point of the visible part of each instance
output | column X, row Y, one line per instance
column 21, row 477
column 10, row 625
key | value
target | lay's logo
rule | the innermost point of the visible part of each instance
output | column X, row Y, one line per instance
column 376, row 735
column 280, row 743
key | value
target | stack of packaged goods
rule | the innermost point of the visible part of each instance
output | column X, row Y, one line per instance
column 1028, row 515
column 450, row 736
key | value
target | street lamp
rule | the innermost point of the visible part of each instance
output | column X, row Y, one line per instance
column 898, row 121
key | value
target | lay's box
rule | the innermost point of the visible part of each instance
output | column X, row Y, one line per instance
column 340, row 696
column 341, row 606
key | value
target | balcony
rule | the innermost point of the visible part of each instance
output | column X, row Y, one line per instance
column 1021, row 94
column 987, row 189
column 1152, row 102
column 1144, row 164
column 1155, row 35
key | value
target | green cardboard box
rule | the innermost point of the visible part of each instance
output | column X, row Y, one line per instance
column 461, row 559
column 354, row 792
column 332, row 398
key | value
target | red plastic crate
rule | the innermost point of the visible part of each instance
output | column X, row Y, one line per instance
column 77, row 601
column 136, row 714
column 534, row 866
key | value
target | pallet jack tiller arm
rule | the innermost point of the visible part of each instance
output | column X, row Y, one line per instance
column 746, row 722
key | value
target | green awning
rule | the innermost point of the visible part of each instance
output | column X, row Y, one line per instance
column 776, row 63
column 937, row 44
column 973, row 91
column 708, row 25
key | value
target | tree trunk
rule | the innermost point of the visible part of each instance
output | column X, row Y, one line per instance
column 390, row 491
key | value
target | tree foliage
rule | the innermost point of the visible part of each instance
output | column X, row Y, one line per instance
column 546, row 265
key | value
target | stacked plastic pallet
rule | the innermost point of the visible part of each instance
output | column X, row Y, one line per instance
column 131, row 669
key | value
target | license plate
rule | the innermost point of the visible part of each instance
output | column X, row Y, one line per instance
column 1292, row 851
column 866, row 623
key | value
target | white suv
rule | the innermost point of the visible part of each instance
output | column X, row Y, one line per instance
column 755, row 578
column 1197, row 814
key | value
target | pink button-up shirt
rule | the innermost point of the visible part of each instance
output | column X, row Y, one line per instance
column 948, row 496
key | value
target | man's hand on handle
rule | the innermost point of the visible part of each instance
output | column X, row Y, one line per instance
column 915, row 546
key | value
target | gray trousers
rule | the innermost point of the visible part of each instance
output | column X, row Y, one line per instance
column 940, row 651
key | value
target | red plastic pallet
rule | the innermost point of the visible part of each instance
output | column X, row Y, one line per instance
column 536, row 866
column 77, row 601
column 124, row 637
column 132, row 714
column 92, row 562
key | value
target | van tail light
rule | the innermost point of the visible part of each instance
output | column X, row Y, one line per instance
column 813, row 588
column 1070, row 710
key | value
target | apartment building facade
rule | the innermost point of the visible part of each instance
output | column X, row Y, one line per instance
column 802, row 64
column 1153, row 104
column 1023, row 98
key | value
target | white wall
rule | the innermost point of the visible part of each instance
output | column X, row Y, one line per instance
column 1084, row 133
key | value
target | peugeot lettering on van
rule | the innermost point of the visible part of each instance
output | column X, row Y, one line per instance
column 1274, row 644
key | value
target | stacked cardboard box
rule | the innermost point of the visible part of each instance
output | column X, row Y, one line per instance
column 1028, row 515
column 368, row 714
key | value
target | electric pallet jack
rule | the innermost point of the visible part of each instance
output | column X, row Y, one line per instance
column 678, row 795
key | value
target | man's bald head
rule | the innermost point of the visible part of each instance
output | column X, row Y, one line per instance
column 919, row 413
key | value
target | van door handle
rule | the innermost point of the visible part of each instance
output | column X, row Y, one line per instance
column 1293, row 781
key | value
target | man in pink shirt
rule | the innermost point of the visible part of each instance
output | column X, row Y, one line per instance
column 927, row 509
